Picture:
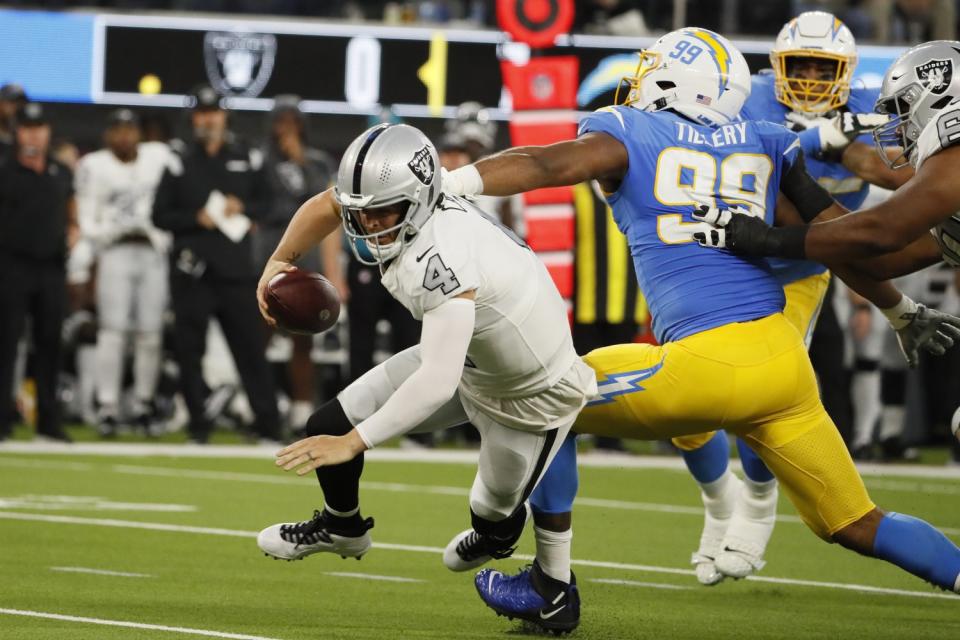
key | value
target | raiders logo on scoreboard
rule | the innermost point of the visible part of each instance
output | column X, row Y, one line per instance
column 239, row 64
column 422, row 165
column 937, row 74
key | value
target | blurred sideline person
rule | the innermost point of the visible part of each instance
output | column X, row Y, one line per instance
column 115, row 192
column 296, row 172
column 12, row 98
column 214, row 186
column 36, row 201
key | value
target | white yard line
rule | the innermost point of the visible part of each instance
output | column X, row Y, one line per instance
column 436, row 456
column 132, row 625
column 370, row 576
column 157, row 526
column 101, row 572
column 400, row 487
column 637, row 583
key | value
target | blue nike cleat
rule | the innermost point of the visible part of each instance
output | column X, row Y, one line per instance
column 533, row 596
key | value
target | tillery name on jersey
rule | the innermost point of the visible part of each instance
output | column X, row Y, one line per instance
column 728, row 134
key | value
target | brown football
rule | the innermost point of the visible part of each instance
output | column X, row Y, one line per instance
column 302, row 301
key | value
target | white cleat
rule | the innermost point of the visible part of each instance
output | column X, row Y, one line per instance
column 716, row 518
column 751, row 526
column 297, row 540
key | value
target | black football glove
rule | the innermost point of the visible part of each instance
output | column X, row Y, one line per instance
column 747, row 235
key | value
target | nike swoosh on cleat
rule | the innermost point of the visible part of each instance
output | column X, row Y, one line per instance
column 547, row 616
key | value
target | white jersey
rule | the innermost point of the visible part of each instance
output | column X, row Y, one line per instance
column 115, row 198
column 941, row 132
column 521, row 344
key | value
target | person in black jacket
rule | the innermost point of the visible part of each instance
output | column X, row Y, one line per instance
column 36, row 202
column 207, row 198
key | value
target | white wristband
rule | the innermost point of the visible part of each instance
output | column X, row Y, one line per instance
column 902, row 314
column 465, row 181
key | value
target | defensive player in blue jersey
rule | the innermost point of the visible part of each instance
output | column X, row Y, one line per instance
column 728, row 356
column 809, row 89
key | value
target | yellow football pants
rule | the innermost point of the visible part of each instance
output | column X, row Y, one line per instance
column 753, row 379
column 804, row 301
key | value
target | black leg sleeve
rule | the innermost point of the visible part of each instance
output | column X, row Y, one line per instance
column 340, row 483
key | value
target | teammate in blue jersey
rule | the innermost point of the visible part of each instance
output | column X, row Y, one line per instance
column 728, row 356
column 809, row 89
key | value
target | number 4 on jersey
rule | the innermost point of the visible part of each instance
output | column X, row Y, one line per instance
column 439, row 275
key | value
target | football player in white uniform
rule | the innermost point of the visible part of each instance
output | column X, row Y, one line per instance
column 919, row 225
column 495, row 349
column 115, row 188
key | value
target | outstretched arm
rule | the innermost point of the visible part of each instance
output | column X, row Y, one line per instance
column 447, row 331
column 591, row 156
column 862, row 160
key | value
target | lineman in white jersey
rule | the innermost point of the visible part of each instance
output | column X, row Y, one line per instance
column 495, row 350
column 115, row 188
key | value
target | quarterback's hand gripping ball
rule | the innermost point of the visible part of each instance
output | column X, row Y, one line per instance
column 302, row 302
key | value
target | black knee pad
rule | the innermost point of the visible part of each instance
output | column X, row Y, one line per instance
column 329, row 420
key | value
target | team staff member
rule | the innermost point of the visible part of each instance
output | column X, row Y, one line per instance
column 36, row 203
column 210, row 273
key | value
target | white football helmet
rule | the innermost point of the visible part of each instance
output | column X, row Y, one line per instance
column 693, row 71
column 814, row 34
column 920, row 83
column 387, row 164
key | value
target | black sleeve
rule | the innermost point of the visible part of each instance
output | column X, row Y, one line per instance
column 169, row 213
column 806, row 194
column 260, row 196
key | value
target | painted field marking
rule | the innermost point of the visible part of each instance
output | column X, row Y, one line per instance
column 86, row 503
column 429, row 456
column 159, row 526
column 132, row 625
column 370, row 576
column 399, row 487
column 637, row 583
column 101, row 572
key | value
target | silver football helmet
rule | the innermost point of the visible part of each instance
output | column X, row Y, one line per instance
column 387, row 164
column 915, row 88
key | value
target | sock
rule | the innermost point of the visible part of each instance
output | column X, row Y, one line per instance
column 865, row 392
column 558, row 487
column 915, row 546
column 708, row 463
column 717, row 488
column 553, row 552
column 146, row 363
column 340, row 483
column 109, row 366
column 753, row 467
column 758, row 491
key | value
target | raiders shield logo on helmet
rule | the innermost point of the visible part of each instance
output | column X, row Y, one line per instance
column 239, row 64
column 422, row 165
column 936, row 74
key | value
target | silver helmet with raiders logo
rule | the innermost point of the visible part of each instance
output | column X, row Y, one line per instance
column 915, row 88
column 389, row 164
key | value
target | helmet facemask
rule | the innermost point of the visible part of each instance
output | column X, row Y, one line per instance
column 811, row 95
column 901, row 131
column 630, row 85
column 399, row 234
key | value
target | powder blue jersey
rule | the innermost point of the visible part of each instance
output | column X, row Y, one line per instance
column 845, row 187
column 675, row 165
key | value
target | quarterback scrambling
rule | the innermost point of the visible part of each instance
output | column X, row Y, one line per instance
column 495, row 350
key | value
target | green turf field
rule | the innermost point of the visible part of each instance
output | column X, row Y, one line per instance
column 186, row 527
